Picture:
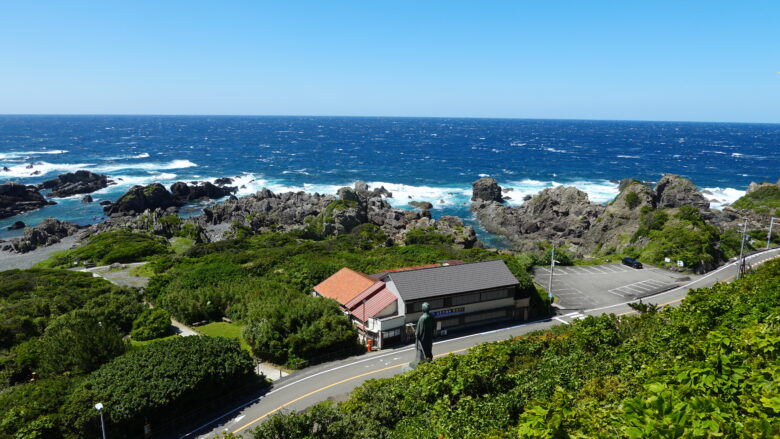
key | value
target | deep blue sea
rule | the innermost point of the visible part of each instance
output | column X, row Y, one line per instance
column 424, row 159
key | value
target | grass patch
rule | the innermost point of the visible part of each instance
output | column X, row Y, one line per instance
column 224, row 329
column 767, row 197
column 179, row 244
column 145, row 270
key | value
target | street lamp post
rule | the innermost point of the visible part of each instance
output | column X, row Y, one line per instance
column 99, row 408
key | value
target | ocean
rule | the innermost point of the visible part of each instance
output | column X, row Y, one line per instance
column 422, row 159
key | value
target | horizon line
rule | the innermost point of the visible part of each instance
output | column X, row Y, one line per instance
column 381, row 117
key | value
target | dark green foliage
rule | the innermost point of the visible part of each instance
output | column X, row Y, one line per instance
column 428, row 236
column 109, row 247
column 766, row 197
column 33, row 410
column 152, row 323
column 158, row 382
column 294, row 330
column 650, row 220
column 29, row 299
column 707, row 368
column 685, row 237
column 632, row 200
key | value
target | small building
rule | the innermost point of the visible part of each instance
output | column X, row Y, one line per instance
column 461, row 295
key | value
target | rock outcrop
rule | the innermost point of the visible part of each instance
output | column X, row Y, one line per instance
column 675, row 191
column 141, row 198
column 556, row 214
column 184, row 193
column 49, row 231
column 328, row 214
column 486, row 189
column 16, row 198
column 565, row 215
column 74, row 183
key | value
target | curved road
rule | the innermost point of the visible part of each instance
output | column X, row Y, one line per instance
column 327, row 381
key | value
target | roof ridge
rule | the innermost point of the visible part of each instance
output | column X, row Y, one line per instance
column 446, row 266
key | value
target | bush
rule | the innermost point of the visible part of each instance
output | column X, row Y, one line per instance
column 632, row 200
column 109, row 247
column 152, row 323
column 159, row 382
column 427, row 236
column 766, row 197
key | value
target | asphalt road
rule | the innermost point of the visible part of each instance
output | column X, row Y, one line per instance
column 336, row 379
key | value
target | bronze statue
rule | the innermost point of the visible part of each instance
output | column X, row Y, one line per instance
column 424, row 335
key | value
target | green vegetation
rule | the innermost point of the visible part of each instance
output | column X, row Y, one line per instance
column 159, row 382
column 427, row 235
column 152, row 323
column 109, row 247
column 763, row 198
column 263, row 282
column 708, row 368
column 632, row 200
column 226, row 330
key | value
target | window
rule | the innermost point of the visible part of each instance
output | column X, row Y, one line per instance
column 494, row 295
column 465, row 298
column 485, row 316
column 391, row 333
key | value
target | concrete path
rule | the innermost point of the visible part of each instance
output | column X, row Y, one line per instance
column 333, row 380
column 270, row 371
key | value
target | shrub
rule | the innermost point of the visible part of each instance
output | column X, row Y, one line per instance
column 159, row 382
column 632, row 200
column 766, row 197
column 152, row 323
column 109, row 247
column 427, row 236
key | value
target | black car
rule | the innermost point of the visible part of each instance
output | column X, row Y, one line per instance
column 631, row 262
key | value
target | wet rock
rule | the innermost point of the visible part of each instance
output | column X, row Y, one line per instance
column 74, row 183
column 16, row 198
column 184, row 193
column 87, row 199
column 49, row 231
column 486, row 189
column 141, row 198
column 17, row 225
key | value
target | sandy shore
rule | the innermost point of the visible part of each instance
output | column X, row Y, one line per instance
column 11, row 260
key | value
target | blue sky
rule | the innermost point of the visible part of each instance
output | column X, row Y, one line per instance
column 659, row 60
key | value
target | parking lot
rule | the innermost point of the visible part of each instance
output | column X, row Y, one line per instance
column 585, row 287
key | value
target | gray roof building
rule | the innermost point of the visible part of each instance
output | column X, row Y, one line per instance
column 451, row 279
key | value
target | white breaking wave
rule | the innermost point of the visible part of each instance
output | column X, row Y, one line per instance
column 39, row 169
column 143, row 155
column 720, row 197
column 149, row 166
column 20, row 154
column 599, row 191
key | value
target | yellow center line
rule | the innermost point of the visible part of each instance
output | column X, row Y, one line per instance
column 261, row 417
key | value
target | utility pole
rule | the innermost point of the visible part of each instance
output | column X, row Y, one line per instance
column 769, row 235
column 742, row 251
column 549, row 285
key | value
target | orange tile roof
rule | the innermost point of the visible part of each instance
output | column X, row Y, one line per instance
column 344, row 285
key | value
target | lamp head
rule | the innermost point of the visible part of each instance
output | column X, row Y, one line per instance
column 99, row 406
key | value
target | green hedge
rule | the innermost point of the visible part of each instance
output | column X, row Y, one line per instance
column 152, row 323
column 158, row 382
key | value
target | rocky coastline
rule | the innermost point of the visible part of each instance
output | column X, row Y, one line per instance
column 565, row 216
column 560, row 215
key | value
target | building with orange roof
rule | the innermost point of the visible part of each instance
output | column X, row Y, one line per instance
column 383, row 306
